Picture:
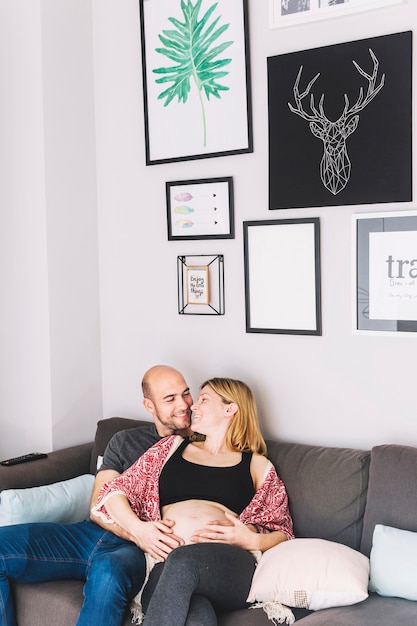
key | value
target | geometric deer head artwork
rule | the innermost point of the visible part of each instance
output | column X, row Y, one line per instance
column 335, row 164
column 340, row 124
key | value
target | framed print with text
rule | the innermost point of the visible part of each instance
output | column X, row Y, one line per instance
column 386, row 272
column 198, row 288
column 200, row 284
column 196, row 79
column 282, row 276
column 200, row 209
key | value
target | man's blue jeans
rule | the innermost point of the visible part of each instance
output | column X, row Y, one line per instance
column 113, row 569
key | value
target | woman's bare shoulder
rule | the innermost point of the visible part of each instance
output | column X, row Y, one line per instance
column 258, row 466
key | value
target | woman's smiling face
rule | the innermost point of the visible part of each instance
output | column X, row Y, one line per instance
column 209, row 410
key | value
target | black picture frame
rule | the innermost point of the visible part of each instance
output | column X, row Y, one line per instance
column 385, row 272
column 311, row 162
column 184, row 121
column 200, row 209
column 209, row 269
column 282, row 276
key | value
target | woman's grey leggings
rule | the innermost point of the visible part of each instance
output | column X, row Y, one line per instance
column 195, row 582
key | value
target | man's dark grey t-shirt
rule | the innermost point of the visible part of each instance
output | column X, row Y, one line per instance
column 126, row 446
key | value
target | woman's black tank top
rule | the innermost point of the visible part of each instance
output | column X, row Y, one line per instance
column 182, row 480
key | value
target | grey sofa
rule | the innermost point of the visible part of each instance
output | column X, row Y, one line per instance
column 338, row 494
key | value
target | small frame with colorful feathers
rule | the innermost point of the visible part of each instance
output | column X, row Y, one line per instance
column 200, row 209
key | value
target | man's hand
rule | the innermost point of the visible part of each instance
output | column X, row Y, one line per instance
column 157, row 538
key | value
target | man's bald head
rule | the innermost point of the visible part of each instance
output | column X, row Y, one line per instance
column 167, row 397
column 153, row 376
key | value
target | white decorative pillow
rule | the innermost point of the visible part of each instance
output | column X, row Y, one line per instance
column 311, row 573
column 67, row 501
column 394, row 562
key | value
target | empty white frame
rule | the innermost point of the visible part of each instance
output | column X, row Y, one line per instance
column 282, row 276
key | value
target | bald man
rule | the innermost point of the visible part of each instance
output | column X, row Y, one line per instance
column 167, row 397
column 111, row 564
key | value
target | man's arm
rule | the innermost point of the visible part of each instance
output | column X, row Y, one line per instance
column 121, row 452
column 116, row 455
column 102, row 477
column 157, row 538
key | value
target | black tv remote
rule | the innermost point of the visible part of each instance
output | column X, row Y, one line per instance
column 32, row 456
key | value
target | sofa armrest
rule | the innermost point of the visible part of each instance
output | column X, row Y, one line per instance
column 59, row 465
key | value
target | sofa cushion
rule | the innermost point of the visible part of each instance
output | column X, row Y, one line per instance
column 56, row 602
column 326, row 489
column 106, row 428
column 374, row 611
column 312, row 574
column 393, row 471
column 66, row 501
column 394, row 562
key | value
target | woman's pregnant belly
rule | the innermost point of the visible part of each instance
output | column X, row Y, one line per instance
column 193, row 515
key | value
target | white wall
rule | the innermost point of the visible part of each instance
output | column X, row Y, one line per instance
column 71, row 213
column 50, row 368
column 71, row 122
column 340, row 388
column 24, row 337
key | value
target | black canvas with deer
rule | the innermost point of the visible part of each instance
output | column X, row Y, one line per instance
column 340, row 124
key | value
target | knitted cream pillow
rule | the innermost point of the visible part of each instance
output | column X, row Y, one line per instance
column 310, row 573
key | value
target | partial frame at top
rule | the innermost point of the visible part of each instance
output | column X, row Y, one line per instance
column 284, row 13
column 196, row 79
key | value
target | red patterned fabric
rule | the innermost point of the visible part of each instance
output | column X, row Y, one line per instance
column 267, row 511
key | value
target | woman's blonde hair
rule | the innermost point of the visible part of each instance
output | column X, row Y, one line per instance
column 244, row 433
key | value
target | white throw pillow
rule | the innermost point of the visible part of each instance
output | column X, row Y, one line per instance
column 394, row 562
column 67, row 501
column 311, row 573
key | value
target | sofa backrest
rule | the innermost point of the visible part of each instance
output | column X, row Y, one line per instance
column 326, row 486
column 326, row 489
column 392, row 494
column 106, row 428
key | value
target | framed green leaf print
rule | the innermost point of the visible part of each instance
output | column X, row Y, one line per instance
column 196, row 79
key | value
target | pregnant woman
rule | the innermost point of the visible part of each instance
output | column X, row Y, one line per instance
column 219, row 497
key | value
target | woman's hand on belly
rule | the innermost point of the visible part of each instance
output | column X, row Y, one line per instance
column 230, row 530
column 200, row 521
column 193, row 516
